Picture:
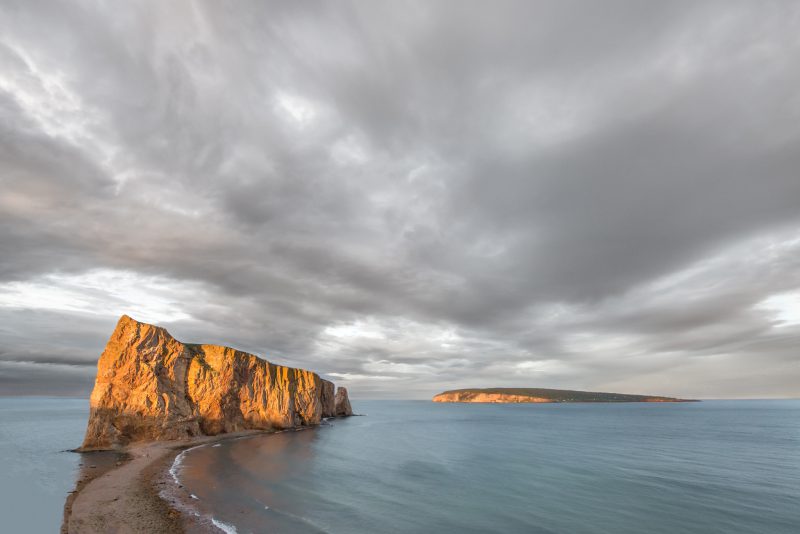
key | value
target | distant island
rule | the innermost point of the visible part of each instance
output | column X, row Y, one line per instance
column 533, row 395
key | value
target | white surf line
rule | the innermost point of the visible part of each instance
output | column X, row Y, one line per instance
column 224, row 527
column 176, row 463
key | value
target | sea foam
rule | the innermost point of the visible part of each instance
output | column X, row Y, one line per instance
column 224, row 527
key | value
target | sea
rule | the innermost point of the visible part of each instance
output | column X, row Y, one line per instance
column 422, row 467
column 36, row 468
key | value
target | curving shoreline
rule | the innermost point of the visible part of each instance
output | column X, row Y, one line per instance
column 138, row 495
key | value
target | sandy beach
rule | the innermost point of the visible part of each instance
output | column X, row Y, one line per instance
column 134, row 493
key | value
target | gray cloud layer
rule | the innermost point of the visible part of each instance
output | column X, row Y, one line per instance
column 408, row 197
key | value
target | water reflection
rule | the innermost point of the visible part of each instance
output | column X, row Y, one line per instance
column 256, row 467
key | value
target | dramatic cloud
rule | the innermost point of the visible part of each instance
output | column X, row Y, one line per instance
column 408, row 196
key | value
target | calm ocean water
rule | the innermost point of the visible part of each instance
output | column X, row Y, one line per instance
column 420, row 467
column 36, row 474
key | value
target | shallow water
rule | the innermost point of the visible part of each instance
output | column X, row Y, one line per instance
column 419, row 467
column 36, row 472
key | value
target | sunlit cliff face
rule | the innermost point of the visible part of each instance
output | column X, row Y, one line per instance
column 150, row 386
column 491, row 398
column 407, row 197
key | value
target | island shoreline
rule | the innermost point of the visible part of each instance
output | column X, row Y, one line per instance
column 545, row 396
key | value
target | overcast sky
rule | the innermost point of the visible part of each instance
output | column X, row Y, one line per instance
column 408, row 196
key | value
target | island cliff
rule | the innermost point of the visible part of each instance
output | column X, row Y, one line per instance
column 535, row 395
column 150, row 386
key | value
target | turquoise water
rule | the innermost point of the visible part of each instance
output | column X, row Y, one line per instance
column 419, row 467
column 36, row 474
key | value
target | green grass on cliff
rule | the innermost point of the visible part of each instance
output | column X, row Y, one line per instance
column 564, row 395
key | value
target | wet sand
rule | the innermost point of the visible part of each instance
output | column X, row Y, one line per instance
column 132, row 492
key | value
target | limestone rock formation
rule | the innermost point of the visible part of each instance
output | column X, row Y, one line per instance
column 150, row 386
column 342, row 403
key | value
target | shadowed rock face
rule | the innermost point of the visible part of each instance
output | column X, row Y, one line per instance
column 342, row 403
column 150, row 386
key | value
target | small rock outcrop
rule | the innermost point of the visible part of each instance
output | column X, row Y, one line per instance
column 150, row 386
column 342, row 403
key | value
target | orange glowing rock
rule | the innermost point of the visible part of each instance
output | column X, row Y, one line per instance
column 150, row 386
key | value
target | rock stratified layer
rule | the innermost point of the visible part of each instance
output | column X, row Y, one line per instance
column 150, row 386
column 535, row 395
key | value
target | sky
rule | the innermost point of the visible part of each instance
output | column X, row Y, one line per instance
column 408, row 197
